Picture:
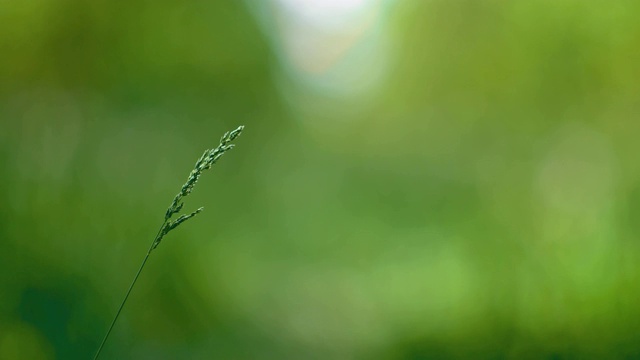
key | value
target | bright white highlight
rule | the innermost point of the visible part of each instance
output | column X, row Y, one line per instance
column 326, row 13
column 333, row 46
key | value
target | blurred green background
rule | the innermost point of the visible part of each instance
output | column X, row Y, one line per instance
column 417, row 179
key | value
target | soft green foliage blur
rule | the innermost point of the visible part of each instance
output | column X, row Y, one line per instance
column 482, row 201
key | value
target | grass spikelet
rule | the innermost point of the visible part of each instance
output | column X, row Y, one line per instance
column 208, row 159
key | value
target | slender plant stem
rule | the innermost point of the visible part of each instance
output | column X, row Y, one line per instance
column 208, row 158
column 129, row 291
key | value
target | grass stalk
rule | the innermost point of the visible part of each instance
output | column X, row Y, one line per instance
column 208, row 158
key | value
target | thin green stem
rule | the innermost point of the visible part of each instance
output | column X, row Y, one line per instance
column 208, row 158
column 129, row 291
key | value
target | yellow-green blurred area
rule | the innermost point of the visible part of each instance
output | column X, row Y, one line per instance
column 426, row 179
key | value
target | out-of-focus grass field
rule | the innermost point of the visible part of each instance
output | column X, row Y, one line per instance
column 417, row 179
